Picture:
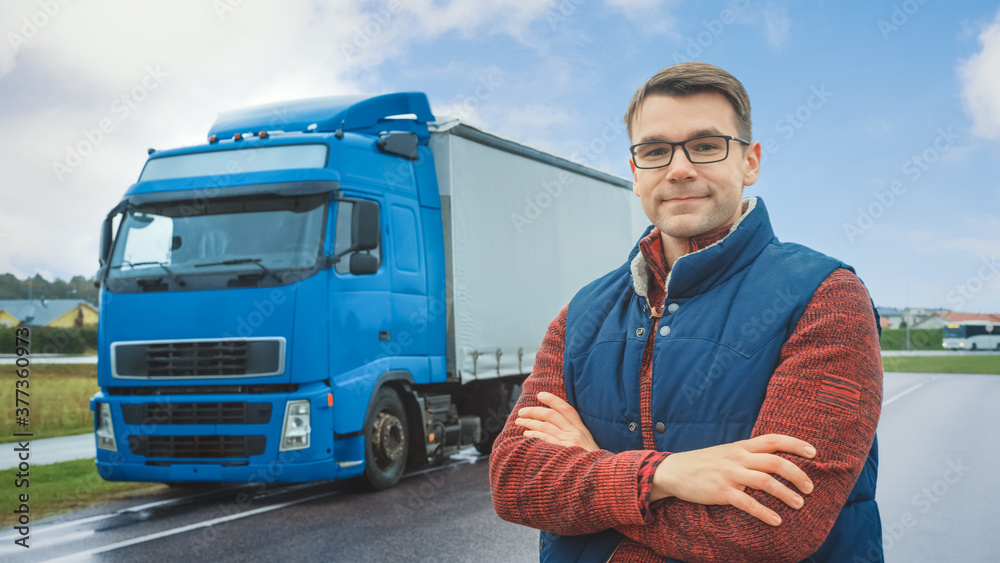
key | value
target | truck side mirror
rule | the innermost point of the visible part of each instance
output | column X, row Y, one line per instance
column 104, row 253
column 363, row 264
column 399, row 143
column 103, row 257
column 365, row 225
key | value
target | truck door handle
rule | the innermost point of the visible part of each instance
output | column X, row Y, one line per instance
column 383, row 335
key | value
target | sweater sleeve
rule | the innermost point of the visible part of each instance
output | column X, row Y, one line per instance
column 555, row 488
column 826, row 390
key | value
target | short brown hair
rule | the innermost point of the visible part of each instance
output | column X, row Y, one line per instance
column 685, row 79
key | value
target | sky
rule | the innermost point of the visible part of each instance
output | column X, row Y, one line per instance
column 879, row 120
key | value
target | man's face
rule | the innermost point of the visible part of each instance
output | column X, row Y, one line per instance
column 683, row 199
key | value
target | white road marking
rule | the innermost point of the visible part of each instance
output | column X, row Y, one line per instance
column 142, row 539
column 45, row 528
column 910, row 390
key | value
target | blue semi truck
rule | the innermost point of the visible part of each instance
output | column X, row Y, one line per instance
column 333, row 288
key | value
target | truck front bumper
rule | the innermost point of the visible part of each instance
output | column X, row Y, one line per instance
column 160, row 444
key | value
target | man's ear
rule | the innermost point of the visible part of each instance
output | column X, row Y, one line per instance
column 753, row 164
column 635, row 178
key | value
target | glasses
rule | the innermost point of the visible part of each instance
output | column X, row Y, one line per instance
column 699, row 150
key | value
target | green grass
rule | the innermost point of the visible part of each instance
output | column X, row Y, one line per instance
column 58, row 400
column 943, row 364
column 920, row 339
column 64, row 487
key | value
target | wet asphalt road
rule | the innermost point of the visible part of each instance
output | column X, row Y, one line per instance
column 938, row 468
column 444, row 514
column 938, row 496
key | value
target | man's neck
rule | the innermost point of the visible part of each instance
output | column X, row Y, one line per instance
column 671, row 249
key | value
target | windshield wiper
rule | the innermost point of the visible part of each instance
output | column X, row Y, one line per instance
column 169, row 272
column 254, row 261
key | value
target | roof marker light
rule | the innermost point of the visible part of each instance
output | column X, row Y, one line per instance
column 213, row 139
column 238, row 137
column 262, row 135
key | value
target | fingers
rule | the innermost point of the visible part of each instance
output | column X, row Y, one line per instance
column 748, row 504
column 542, row 418
column 543, row 421
column 556, row 423
column 775, row 488
column 770, row 443
column 560, row 406
column 537, row 424
column 547, row 431
column 556, row 418
column 772, row 464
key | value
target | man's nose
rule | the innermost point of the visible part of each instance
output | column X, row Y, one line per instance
column 680, row 168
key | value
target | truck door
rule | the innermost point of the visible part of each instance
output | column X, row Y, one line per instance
column 359, row 302
column 408, row 335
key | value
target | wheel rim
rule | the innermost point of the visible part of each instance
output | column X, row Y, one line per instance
column 388, row 443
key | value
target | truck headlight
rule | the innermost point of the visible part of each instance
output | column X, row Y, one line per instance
column 105, row 428
column 296, row 429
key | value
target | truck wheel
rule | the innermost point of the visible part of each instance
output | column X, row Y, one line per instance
column 386, row 440
column 500, row 401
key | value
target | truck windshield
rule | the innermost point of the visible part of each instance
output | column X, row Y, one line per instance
column 180, row 239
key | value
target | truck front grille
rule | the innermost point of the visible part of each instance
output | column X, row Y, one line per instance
column 198, row 358
column 198, row 413
column 197, row 446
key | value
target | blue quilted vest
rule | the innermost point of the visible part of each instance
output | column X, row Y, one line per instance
column 737, row 302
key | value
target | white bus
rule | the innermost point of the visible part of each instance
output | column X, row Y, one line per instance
column 971, row 335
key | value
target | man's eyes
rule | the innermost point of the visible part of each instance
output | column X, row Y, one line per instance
column 705, row 147
column 657, row 151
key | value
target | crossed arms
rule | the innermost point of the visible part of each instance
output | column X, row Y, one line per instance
column 717, row 503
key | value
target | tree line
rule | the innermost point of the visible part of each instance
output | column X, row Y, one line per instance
column 78, row 287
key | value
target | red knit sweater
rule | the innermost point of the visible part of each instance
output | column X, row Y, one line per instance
column 826, row 390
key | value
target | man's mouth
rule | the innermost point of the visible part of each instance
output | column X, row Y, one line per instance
column 684, row 199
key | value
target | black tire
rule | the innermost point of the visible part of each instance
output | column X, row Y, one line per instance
column 387, row 438
column 500, row 399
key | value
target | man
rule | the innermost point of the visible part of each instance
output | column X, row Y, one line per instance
column 716, row 397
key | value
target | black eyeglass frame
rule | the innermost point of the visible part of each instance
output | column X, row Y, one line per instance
column 673, row 149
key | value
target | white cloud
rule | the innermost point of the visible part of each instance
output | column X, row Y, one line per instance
column 981, row 83
column 511, row 17
column 70, row 75
column 777, row 24
column 654, row 15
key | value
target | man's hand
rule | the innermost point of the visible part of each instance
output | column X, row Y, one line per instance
column 721, row 474
column 559, row 424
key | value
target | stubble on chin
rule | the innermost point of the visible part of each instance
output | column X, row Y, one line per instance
column 687, row 226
